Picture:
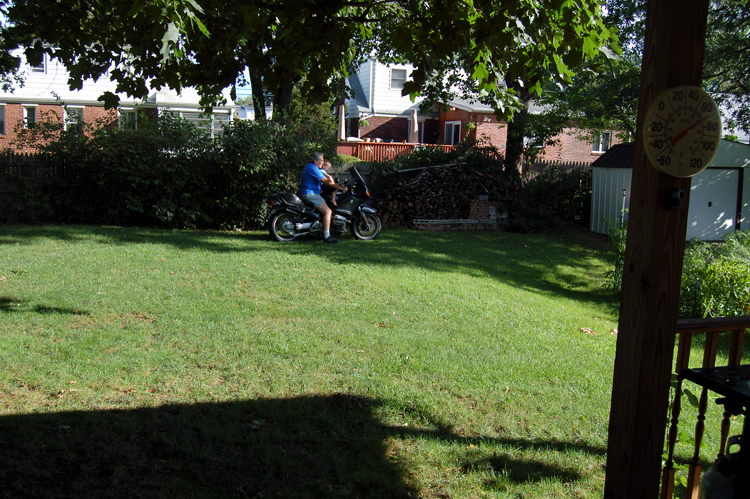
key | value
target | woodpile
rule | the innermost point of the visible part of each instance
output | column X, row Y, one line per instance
column 437, row 193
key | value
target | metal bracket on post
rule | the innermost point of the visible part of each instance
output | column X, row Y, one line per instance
column 674, row 199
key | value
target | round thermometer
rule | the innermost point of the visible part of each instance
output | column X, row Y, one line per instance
column 682, row 131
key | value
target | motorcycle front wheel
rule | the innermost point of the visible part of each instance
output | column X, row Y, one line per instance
column 281, row 227
column 366, row 228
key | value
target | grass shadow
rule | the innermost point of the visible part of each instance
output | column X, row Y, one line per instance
column 298, row 447
column 220, row 242
column 13, row 305
column 520, row 472
column 309, row 446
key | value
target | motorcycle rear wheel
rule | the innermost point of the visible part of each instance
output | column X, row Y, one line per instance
column 366, row 230
column 281, row 227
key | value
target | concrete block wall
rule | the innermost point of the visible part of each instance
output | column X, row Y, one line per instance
column 483, row 215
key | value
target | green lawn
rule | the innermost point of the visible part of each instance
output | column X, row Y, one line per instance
column 147, row 363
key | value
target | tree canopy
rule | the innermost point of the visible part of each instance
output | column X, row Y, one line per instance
column 146, row 44
column 608, row 100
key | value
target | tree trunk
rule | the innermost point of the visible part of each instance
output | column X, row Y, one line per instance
column 282, row 102
column 514, row 142
column 259, row 96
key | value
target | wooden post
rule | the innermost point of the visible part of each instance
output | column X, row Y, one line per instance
column 673, row 55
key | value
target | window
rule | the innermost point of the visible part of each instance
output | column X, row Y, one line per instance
column 29, row 116
column 420, row 132
column 74, row 119
column 601, row 141
column 2, row 119
column 128, row 119
column 398, row 78
column 211, row 123
column 42, row 67
column 452, row 133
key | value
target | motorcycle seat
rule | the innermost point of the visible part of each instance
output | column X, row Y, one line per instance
column 290, row 198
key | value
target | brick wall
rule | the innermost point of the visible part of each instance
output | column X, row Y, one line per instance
column 570, row 148
column 396, row 129
column 383, row 127
column 573, row 148
column 496, row 133
column 91, row 114
column 14, row 117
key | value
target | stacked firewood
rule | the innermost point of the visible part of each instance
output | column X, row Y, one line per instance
column 437, row 193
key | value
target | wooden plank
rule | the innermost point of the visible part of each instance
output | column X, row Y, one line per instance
column 714, row 324
column 673, row 55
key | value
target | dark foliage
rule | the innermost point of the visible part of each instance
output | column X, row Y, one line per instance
column 551, row 200
column 170, row 173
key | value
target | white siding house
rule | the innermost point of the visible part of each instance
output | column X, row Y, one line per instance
column 380, row 107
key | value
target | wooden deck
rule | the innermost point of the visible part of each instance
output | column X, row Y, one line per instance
column 382, row 151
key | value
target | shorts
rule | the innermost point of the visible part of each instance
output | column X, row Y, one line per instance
column 315, row 199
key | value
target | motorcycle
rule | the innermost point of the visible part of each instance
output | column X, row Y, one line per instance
column 290, row 217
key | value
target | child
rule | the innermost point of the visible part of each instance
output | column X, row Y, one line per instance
column 331, row 191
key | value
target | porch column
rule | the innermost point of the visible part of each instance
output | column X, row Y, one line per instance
column 413, row 127
column 673, row 55
column 342, row 122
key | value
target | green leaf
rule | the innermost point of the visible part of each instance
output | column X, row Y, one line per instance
column 170, row 37
column 110, row 100
column 201, row 27
column 692, row 399
column 480, row 72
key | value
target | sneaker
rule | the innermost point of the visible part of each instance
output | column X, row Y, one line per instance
column 330, row 240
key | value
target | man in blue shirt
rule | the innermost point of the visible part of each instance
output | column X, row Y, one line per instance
column 312, row 177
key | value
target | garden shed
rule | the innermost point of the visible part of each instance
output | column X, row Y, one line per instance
column 719, row 195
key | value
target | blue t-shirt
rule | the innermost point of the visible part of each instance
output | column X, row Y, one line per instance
column 311, row 177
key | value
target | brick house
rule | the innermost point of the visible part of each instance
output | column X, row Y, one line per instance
column 378, row 112
column 46, row 91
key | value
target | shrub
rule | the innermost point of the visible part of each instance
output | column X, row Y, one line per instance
column 550, row 200
column 617, row 232
column 168, row 173
column 343, row 159
column 716, row 277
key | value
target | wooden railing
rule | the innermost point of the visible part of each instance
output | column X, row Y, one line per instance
column 686, row 329
column 381, row 151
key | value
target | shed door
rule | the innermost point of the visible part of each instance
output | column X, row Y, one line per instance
column 713, row 204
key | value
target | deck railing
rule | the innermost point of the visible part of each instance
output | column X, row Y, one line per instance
column 381, row 151
column 686, row 330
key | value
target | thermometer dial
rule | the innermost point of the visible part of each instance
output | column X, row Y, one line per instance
column 682, row 131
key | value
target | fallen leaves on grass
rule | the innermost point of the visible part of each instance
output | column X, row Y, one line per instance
column 588, row 330
column 614, row 331
column 383, row 324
